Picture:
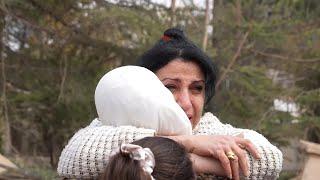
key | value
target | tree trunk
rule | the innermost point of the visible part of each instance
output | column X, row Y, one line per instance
column 213, row 38
column 6, row 136
column 173, row 13
column 206, row 23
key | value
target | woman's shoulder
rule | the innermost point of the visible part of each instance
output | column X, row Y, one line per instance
column 209, row 118
column 95, row 123
column 210, row 124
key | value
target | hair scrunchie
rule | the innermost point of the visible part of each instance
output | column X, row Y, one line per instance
column 143, row 155
column 166, row 38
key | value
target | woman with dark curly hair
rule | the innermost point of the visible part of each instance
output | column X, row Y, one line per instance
column 218, row 148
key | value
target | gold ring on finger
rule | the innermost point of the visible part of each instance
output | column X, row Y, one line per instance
column 231, row 155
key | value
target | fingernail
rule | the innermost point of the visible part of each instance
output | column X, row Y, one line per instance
column 258, row 156
column 247, row 173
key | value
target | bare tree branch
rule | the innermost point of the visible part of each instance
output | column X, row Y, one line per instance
column 63, row 79
column 238, row 12
column 277, row 56
column 233, row 60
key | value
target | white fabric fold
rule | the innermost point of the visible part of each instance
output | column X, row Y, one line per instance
column 133, row 95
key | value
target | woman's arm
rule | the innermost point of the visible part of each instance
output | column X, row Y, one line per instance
column 270, row 163
column 209, row 165
column 217, row 147
column 87, row 152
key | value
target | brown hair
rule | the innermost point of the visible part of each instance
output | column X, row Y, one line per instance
column 171, row 162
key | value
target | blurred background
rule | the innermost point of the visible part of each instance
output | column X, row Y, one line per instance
column 54, row 52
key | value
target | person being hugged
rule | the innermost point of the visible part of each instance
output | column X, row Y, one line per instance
column 190, row 75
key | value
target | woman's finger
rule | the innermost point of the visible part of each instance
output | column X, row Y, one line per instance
column 235, row 168
column 247, row 144
column 243, row 162
column 225, row 162
column 234, row 163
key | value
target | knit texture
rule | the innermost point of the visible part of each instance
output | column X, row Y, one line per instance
column 86, row 154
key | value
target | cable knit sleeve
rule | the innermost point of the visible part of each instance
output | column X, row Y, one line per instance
column 88, row 151
column 270, row 164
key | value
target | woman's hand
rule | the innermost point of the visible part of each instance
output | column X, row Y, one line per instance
column 217, row 146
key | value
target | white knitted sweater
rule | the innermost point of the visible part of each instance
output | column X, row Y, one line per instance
column 87, row 153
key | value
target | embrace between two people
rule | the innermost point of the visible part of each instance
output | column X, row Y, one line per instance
column 166, row 98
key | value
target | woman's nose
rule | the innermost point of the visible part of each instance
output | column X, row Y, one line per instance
column 184, row 100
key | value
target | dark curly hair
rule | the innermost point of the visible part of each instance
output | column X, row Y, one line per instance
column 174, row 44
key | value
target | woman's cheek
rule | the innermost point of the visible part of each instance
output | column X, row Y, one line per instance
column 198, row 104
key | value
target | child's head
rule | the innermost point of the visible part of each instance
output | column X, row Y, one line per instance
column 170, row 159
column 134, row 96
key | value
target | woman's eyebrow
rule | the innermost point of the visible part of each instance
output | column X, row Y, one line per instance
column 178, row 80
column 172, row 79
column 198, row 81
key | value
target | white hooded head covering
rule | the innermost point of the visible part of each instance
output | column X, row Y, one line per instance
column 134, row 96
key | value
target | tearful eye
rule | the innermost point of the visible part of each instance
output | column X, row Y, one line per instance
column 170, row 87
column 197, row 89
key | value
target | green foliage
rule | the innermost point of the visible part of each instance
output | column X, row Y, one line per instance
column 246, row 97
column 65, row 47
column 310, row 99
column 286, row 32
